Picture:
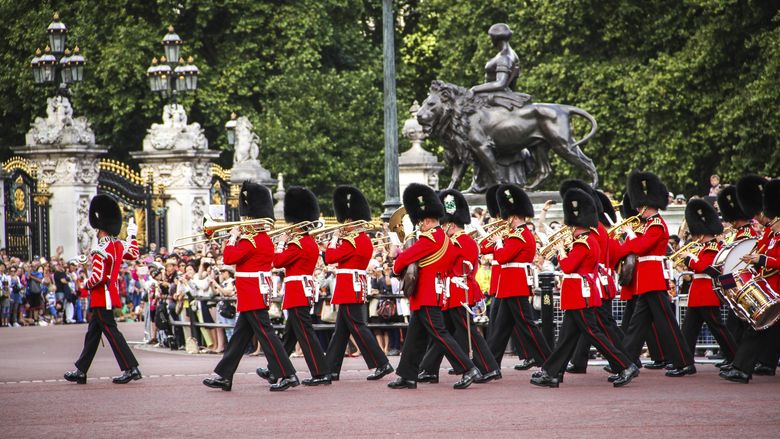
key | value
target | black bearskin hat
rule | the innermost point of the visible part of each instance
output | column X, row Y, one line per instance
column 729, row 205
column 421, row 202
column 491, row 202
column 702, row 218
column 607, row 210
column 104, row 214
column 512, row 200
column 646, row 189
column 585, row 187
column 772, row 198
column 255, row 201
column 456, row 208
column 350, row 203
column 579, row 209
column 750, row 190
column 300, row 204
column 626, row 209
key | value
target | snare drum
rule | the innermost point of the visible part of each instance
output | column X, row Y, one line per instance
column 751, row 297
column 728, row 258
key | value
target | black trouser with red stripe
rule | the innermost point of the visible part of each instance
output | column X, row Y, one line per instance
column 582, row 322
column 653, row 307
column 608, row 326
column 298, row 328
column 651, row 335
column 255, row 323
column 455, row 320
column 515, row 315
column 102, row 322
column 517, row 342
column 423, row 323
column 736, row 326
column 695, row 317
column 350, row 320
column 754, row 344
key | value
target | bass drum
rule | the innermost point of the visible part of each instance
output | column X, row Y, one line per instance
column 751, row 298
column 728, row 258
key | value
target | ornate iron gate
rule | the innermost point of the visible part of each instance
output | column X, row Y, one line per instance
column 139, row 197
column 222, row 193
column 27, row 211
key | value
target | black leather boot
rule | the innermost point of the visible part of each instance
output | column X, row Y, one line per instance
column 467, row 378
column 285, row 383
column 380, row 372
column 217, row 382
column 401, row 383
column 266, row 375
column 127, row 376
column 76, row 376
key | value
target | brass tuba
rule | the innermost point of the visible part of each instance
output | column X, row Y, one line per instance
column 410, row 274
column 562, row 236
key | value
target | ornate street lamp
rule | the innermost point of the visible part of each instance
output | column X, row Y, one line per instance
column 172, row 75
column 230, row 128
column 56, row 65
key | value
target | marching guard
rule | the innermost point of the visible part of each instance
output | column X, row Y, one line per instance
column 250, row 249
column 106, row 217
column 352, row 252
column 430, row 254
column 579, row 288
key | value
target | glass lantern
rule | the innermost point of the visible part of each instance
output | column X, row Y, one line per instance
column 35, row 64
column 48, row 65
column 172, row 44
column 65, row 70
column 76, row 64
column 57, row 35
column 230, row 128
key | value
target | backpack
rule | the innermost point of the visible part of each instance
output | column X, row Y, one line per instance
column 386, row 309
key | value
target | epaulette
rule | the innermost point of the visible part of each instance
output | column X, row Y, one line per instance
column 712, row 245
column 582, row 239
column 249, row 237
column 428, row 234
column 101, row 247
column 295, row 241
column 656, row 221
column 350, row 239
column 455, row 242
column 515, row 233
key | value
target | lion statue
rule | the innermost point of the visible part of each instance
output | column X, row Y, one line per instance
column 502, row 143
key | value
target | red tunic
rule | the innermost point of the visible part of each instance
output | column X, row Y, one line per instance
column 464, row 248
column 351, row 253
column 299, row 258
column 745, row 231
column 519, row 247
column 769, row 249
column 650, row 247
column 106, row 263
column 701, row 291
column 431, row 248
column 580, row 268
column 488, row 248
column 606, row 274
column 251, row 260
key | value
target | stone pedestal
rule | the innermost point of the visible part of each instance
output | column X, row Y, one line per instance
column 246, row 162
column 417, row 165
column 64, row 150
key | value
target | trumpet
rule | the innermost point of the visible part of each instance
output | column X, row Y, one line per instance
column 677, row 258
column 214, row 230
column 634, row 222
column 487, row 228
column 304, row 226
column 562, row 236
column 501, row 229
column 326, row 233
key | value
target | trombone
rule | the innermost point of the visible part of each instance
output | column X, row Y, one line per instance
column 325, row 234
column 304, row 226
column 215, row 230
column 487, row 228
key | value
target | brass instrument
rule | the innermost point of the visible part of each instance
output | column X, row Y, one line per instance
column 305, row 227
column 410, row 274
column 380, row 240
column 634, row 222
column 563, row 237
column 501, row 229
column 396, row 223
column 325, row 234
column 214, row 230
column 677, row 258
column 487, row 228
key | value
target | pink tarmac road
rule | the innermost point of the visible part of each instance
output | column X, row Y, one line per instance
column 35, row 401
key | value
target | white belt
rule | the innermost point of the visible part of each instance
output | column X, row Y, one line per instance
column 351, row 271
column 651, row 258
column 253, row 273
column 517, row 265
column 493, row 262
column 702, row 276
column 572, row 276
column 299, row 278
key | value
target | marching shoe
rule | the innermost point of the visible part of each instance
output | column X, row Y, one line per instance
column 335, row 376
column 286, row 382
column 727, row 367
column 721, row 364
column 682, row 371
column 626, row 376
column 670, row 366
column 425, row 377
column 735, row 375
column 316, row 381
column 655, row 365
column 570, row 368
column 608, row 368
column 400, row 383
column 266, row 375
column 544, row 380
column 488, row 377
column 451, row 371
column 217, row 382
column 380, row 372
column 526, row 364
column 468, row 378
column 76, row 376
column 127, row 376
column 761, row 369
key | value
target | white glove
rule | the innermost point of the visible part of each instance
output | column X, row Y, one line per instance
column 132, row 228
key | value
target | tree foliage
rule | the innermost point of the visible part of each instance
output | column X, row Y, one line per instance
column 682, row 88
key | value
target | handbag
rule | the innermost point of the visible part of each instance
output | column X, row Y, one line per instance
column 34, row 287
column 329, row 312
column 227, row 309
column 386, row 309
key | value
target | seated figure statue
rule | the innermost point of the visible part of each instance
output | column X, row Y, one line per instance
column 501, row 73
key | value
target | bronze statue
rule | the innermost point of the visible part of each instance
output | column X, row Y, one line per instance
column 498, row 130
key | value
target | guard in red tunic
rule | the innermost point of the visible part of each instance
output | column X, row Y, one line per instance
column 430, row 254
column 762, row 346
column 251, row 251
column 106, row 218
column 488, row 246
column 648, row 195
column 461, row 289
column 703, row 304
column 352, row 251
column 298, row 256
column 515, row 251
column 732, row 213
column 579, row 288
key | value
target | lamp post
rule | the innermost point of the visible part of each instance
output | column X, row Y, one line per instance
column 171, row 74
column 56, row 64
column 230, row 128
